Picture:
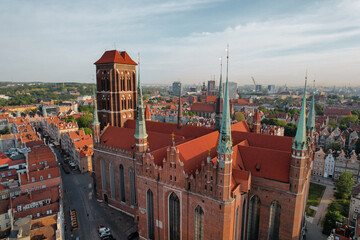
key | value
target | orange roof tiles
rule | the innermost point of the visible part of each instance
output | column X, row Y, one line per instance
column 48, row 173
column 127, row 141
column 203, row 107
column 114, row 56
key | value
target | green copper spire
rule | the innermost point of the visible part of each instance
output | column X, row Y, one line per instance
column 310, row 125
column 225, row 141
column 140, row 131
column 300, row 137
column 219, row 102
column 95, row 114
column 44, row 111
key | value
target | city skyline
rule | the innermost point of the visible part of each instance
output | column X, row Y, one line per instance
column 274, row 42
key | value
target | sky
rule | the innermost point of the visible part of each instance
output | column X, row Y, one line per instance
column 273, row 41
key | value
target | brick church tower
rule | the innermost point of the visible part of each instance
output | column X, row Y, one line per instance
column 116, row 88
column 225, row 148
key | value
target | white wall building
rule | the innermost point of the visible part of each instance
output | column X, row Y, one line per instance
column 329, row 166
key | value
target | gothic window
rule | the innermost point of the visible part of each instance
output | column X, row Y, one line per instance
column 274, row 221
column 174, row 217
column 236, row 223
column 150, row 215
column 132, row 186
column 122, row 183
column 199, row 224
column 112, row 180
column 103, row 174
column 254, row 218
column 243, row 220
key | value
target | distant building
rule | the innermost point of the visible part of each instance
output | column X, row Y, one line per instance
column 232, row 90
column 212, row 88
column 258, row 88
column 176, row 87
column 271, row 88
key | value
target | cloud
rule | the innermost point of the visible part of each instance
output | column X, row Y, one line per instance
column 59, row 41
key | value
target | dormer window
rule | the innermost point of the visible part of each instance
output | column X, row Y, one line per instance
column 41, row 178
column 49, row 175
column 33, row 179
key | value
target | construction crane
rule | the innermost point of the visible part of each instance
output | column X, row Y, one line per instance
column 253, row 79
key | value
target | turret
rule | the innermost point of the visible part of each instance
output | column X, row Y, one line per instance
column 299, row 152
column 224, row 149
column 180, row 116
column 95, row 124
column 219, row 103
column 147, row 114
column 44, row 111
column 256, row 122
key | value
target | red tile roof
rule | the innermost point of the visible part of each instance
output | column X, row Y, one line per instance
column 114, row 56
column 127, row 141
column 337, row 111
column 203, row 107
column 169, row 128
column 54, row 173
column 266, row 163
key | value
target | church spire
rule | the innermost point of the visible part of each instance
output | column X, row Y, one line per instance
column 180, row 116
column 44, row 111
column 95, row 114
column 140, row 131
column 225, row 141
column 300, row 137
column 310, row 125
column 219, row 102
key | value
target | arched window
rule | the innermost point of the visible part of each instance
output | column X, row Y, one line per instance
column 132, row 186
column 122, row 183
column 112, row 180
column 274, row 220
column 254, row 218
column 236, row 223
column 174, row 217
column 199, row 223
column 150, row 214
column 103, row 174
column 243, row 220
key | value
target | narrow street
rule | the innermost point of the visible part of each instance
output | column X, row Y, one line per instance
column 79, row 195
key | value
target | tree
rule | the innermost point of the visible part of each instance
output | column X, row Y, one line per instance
column 69, row 119
column 87, row 131
column 333, row 123
column 334, row 146
column 199, row 99
column 84, row 121
column 344, row 185
column 343, row 127
column 4, row 131
column 290, row 130
column 319, row 109
column 86, row 108
column 330, row 220
column 239, row 116
column 357, row 146
column 263, row 109
column 349, row 119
